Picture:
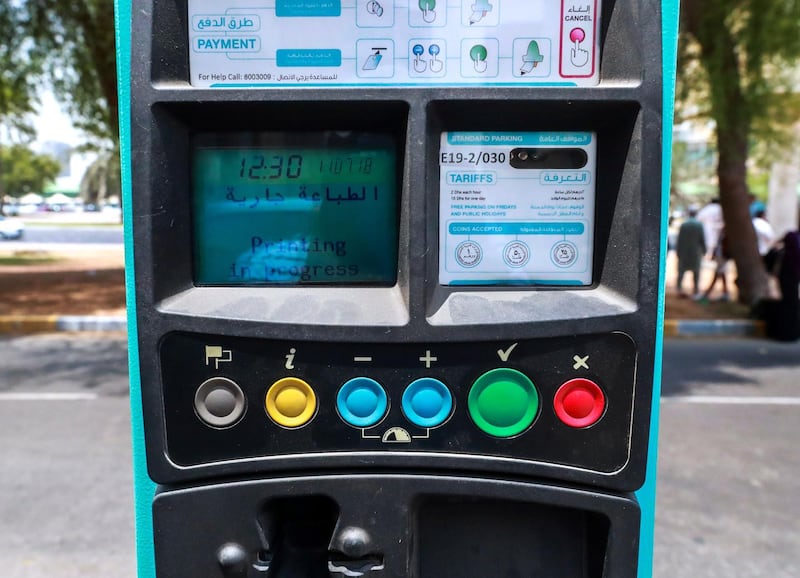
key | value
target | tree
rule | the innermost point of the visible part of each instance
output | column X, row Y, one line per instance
column 20, row 70
column 25, row 171
column 734, row 54
column 102, row 179
column 78, row 36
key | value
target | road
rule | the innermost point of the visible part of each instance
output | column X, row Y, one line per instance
column 729, row 472
column 45, row 234
column 66, row 500
column 729, row 468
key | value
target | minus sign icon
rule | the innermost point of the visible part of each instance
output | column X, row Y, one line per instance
column 362, row 359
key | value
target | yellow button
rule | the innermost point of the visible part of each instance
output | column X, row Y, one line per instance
column 291, row 402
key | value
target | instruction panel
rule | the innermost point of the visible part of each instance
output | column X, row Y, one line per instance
column 517, row 208
column 258, row 43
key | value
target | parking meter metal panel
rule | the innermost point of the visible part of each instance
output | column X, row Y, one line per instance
column 415, row 526
column 394, row 267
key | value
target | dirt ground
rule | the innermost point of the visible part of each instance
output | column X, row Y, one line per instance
column 92, row 282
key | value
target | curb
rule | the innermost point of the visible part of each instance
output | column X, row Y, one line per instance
column 714, row 328
column 27, row 324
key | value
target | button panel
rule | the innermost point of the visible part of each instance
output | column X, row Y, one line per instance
column 487, row 399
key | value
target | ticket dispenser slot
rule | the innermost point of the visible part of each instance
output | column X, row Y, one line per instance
column 396, row 285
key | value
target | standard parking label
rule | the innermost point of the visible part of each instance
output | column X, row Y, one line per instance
column 517, row 208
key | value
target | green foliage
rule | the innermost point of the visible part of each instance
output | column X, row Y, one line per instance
column 738, row 65
column 102, row 179
column 692, row 162
column 18, row 260
column 78, row 36
column 20, row 69
column 25, row 171
column 758, row 184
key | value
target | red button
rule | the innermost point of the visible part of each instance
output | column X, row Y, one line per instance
column 580, row 403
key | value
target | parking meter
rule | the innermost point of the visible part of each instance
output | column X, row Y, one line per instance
column 394, row 276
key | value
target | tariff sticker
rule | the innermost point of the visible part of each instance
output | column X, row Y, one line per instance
column 517, row 208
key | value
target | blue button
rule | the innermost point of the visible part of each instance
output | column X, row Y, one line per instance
column 427, row 402
column 362, row 402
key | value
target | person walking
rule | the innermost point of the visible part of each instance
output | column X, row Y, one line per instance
column 711, row 217
column 756, row 206
column 721, row 257
column 765, row 235
column 691, row 248
column 787, row 326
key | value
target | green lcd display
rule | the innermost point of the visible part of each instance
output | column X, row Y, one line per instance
column 295, row 209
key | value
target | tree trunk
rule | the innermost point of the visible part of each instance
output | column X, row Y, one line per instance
column 2, row 188
column 752, row 280
column 706, row 21
column 103, row 51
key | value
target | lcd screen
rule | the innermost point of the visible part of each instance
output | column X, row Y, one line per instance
column 295, row 208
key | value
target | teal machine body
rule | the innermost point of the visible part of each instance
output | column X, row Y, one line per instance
column 395, row 282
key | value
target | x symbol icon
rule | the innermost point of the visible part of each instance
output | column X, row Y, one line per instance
column 580, row 362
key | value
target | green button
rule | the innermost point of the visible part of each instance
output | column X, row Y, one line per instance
column 503, row 402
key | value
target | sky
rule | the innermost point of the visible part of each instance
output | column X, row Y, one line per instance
column 52, row 124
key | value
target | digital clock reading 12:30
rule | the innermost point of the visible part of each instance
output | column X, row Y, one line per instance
column 269, row 166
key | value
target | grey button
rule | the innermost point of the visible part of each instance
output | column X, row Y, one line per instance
column 219, row 402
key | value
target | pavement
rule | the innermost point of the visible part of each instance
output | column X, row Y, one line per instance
column 28, row 324
column 714, row 328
